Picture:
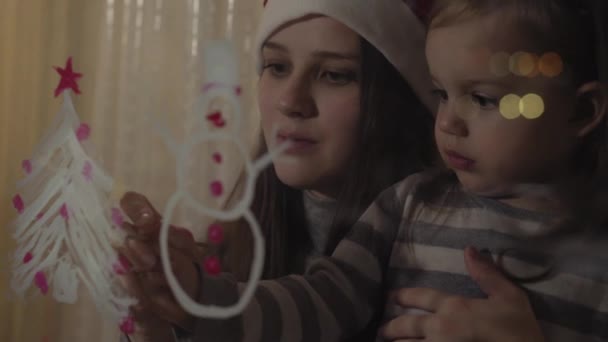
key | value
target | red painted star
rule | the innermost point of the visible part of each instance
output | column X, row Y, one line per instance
column 68, row 78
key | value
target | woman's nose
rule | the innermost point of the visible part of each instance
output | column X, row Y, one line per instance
column 296, row 99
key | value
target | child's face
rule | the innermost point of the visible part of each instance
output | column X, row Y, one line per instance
column 490, row 153
column 310, row 91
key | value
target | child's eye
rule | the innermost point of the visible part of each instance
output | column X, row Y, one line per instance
column 484, row 102
column 338, row 78
column 276, row 69
column 442, row 95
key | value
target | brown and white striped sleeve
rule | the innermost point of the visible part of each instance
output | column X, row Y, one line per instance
column 334, row 300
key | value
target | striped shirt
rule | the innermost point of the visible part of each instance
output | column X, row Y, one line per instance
column 407, row 240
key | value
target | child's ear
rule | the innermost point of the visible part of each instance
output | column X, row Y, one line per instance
column 591, row 106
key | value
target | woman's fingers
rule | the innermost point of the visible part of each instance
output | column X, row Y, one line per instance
column 406, row 327
column 146, row 219
column 181, row 239
column 155, row 297
column 422, row 298
column 150, row 327
column 170, row 309
column 142, row 248
column 146, row 227
column 140, row 254
column 490, row 279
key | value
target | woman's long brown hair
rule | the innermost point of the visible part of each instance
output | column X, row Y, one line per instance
column 395, row 140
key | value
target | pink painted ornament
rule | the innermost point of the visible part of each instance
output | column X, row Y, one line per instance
column 83, row 132
column 127, row 326
column 217, row 157
column 87, row 171
column 216, row 119
column 215, row 234
column 117, row 219
column 64, row 212
column 122, row 266
column 18, row 204
column 217, row 189
column 40, row 282
column 212, row 265
column 27, row 258
column 27, row 166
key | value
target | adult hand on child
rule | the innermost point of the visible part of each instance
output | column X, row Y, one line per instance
column 506, row 315
column 146, row 279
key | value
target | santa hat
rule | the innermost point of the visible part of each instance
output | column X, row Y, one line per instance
column 389, row 25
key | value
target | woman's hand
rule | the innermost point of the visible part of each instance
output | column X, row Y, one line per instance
column 506, row 315
column 146, row 280
column 150, row 327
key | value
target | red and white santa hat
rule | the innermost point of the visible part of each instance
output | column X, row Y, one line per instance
column 389, row 25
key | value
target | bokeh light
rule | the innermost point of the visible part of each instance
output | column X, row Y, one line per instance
column 531, row 106
column 522, row 64
column 550, row 64
column 509, row 106
column 528, row 65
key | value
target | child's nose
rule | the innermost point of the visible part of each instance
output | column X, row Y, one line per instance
column 451, row 122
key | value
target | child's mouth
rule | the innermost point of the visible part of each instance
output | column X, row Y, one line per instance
column 458, row 161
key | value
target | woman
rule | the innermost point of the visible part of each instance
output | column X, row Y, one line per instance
column 343, row 81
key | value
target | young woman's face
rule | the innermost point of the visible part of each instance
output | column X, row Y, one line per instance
column 309, row 94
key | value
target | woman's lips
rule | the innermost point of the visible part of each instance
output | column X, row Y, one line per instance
column 298, row 143
column 458, row 161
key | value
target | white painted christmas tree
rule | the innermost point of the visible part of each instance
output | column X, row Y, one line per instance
column 66, row 229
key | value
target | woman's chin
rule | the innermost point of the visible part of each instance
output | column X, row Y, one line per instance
column 309, row 176
column 292, row 177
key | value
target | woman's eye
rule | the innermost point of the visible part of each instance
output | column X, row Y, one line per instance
column 338, row 78
column 276, row 69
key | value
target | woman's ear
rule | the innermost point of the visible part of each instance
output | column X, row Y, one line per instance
column 591, row 107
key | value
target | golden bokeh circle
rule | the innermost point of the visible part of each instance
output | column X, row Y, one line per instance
column 528, row 65
column 531, row 106
column 551, row 64
column 509, row 106
column 522, row 63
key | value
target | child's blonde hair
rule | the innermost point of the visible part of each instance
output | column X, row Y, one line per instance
column 574, row 29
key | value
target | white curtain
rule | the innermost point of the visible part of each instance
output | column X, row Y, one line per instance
column 141, row 61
